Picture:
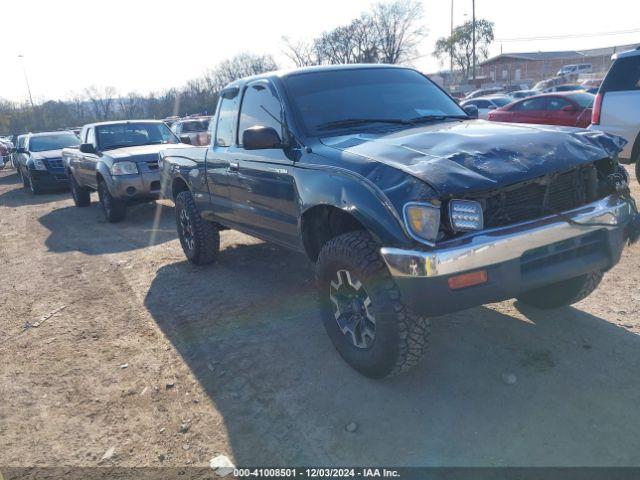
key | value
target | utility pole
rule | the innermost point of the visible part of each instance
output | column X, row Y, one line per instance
column 451, row 52
column 24, row 71
column 473, row 5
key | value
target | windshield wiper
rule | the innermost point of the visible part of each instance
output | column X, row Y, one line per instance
column 435, row 118
column 354, row 122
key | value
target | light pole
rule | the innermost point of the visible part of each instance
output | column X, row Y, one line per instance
column 26, row 79
column 473, row 5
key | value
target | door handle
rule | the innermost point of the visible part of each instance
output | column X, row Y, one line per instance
column 233, row 167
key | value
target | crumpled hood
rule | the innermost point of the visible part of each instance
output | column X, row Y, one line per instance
column 141, row 153
column 476, row 155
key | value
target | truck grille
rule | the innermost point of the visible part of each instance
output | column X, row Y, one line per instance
column 55, row 163
column 543, row 196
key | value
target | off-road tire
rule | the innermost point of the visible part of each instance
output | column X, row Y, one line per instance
column 81, row 195
column 637, row 159
column 400, row 336
column 114, row 209
column 201, row 246
column 563, row 293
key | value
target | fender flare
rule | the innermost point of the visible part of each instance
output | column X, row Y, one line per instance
column 356, row 196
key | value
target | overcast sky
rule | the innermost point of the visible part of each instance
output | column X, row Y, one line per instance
column 145, row 45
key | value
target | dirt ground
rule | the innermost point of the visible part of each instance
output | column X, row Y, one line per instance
column 109, row 338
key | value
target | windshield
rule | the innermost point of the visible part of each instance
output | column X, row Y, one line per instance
column 195, row 126
column 501, row 101
column 55, row 141
column 133, row 134
column 327, row 98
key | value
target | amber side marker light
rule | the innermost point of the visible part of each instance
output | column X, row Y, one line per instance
column 467, row 280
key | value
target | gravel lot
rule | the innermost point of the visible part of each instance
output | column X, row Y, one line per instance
column 109, row 338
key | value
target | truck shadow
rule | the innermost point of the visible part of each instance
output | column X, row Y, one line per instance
column 19, row 196
column 248, row 329
column 86, row 230
column 9, row 177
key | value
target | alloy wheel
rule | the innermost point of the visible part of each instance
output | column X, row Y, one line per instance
column 187, row 230
column 352, row 309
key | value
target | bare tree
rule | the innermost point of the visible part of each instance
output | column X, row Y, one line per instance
column 102, row 100
column 399, row 30
column 389, row 33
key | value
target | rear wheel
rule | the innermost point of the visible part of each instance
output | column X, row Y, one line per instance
column 114, row 210
column 362, row 310
column 81, row 195
column 563, row 293
column 199, row 238
column 638, row 167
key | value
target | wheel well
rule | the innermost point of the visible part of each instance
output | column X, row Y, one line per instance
column 178, row 185
column 322, row 223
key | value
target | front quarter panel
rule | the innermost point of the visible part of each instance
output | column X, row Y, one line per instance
column 373, row 199
column 186, row 165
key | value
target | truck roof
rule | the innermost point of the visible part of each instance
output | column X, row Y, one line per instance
column 317, row 68
column 121, row 122
column 40, row 134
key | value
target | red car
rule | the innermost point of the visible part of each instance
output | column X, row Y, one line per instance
column 568, row 109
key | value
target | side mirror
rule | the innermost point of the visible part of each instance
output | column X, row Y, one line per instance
column 260, row 138
column 471, row 110
column 21, row 150
column 569, row 108
column 87, row 148
column 492, row 107
column 185, row 139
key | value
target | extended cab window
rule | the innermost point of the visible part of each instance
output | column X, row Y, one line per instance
column 260, row 107
column 91, row 136
column 225, row 128
column 624, row 75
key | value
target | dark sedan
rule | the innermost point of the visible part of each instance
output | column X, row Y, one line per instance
column 39, row 160
column 570, row 110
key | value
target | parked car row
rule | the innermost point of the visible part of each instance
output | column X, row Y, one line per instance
column 408, row 207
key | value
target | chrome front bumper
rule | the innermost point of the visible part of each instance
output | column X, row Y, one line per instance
column 490, row 247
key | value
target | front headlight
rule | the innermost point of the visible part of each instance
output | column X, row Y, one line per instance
column 38, row 164
column 422, row 221
column 124, row 168
column 465, row 215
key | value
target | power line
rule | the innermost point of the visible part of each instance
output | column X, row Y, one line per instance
column 558, row 37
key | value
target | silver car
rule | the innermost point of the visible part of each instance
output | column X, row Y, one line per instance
column 617, row 105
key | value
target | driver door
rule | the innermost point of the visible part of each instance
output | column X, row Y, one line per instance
column 262, row 185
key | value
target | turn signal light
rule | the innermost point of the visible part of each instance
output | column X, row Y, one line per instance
column 467, row 280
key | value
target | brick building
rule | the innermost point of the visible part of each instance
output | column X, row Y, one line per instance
column 531, row 67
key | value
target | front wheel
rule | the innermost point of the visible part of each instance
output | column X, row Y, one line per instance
column 35, row 188
column 200, row 239
column 362, row 310
column 563, row 293
column 81, row 195
column 25, row 182
column 114, row 210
